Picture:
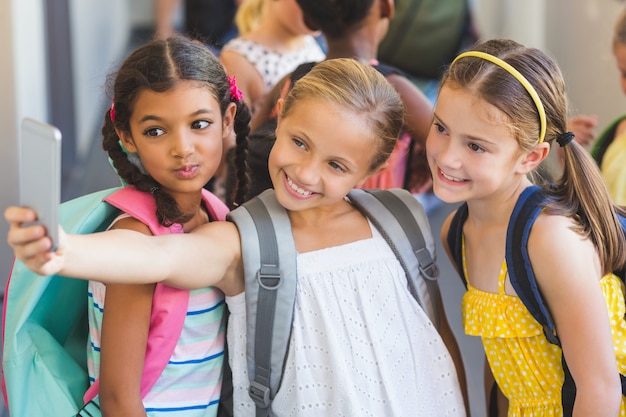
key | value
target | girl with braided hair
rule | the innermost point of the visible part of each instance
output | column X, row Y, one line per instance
column 173, row 108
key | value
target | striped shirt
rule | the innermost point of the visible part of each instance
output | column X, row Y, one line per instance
column 191, row 382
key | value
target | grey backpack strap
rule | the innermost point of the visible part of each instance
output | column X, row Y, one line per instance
column 270, row 291
column 402, row 221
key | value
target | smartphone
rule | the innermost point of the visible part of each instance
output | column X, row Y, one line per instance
column 40, row 173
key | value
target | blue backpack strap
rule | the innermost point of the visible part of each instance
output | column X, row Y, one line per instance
column 401, row 220
column 528, row 206
column 455, row 240
column 622, row 272
column 270, row 276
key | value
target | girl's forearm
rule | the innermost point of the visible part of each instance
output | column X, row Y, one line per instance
column 600, row 396
column 115, row 256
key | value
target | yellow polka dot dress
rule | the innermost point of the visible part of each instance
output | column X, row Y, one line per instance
column 525, row 365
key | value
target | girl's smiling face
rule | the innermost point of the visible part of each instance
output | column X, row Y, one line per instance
column 321, row 152
column 471, row 149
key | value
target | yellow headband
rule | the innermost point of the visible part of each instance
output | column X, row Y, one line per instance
column 519, row 77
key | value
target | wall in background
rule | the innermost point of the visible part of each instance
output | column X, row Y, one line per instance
column 99, row 34
column 577, row 33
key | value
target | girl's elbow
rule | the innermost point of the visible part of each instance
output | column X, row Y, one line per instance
column 605, row 391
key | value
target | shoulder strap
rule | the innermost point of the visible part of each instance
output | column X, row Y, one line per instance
column 270, row 275
column 622, row 272
column 401, row 220
column 169, row 305
column 528, row 206
column 455, row 239
column 271, row 288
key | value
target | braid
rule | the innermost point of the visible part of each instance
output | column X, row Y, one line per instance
column 242, row 130
column 167, row 211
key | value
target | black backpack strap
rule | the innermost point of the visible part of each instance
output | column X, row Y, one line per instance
column 401, row 220
column 528, row 206
column 455, row 239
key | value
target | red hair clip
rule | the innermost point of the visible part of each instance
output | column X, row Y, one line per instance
column 235, row 93
column 112, row 111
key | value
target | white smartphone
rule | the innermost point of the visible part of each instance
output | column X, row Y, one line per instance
column 40, row 173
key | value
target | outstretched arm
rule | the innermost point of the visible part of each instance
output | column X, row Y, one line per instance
column 208, row 256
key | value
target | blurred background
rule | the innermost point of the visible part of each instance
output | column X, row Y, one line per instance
column 56, row 55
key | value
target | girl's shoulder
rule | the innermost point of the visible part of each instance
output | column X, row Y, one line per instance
column 557, row 238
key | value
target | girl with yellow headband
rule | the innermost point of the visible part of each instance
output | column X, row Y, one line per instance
column 500, row 108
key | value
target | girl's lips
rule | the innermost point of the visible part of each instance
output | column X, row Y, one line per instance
column 295, row 189
column 187, row 172
column 450, row 178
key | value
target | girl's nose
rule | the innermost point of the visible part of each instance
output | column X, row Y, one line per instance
column 308, row 171
column 183, row 146
column 447, row 154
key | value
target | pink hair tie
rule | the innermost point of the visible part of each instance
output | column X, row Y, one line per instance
column 235, row 93
column 112, row 111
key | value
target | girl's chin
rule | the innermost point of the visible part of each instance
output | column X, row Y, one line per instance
column 446, row 194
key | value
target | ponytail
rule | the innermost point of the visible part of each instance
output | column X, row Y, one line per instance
column 582, row 195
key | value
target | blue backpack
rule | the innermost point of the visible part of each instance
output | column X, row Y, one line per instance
column 44, row 326
column 528, row 206
column 45, row 318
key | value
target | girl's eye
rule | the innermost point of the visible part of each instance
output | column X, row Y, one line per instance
column 200, row 124
column 336, row 166
column 153, row 131
column 475, row 147
column 440, row 127
column 298, row 143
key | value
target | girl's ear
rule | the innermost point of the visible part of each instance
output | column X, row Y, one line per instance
column 127, row 140
column 279, row 110
column 387, row 9
column 228, row 121
column 532, row 159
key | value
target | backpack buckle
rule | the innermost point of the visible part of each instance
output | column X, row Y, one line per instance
column 268, row 277
column 430, row 271
column 260, row 394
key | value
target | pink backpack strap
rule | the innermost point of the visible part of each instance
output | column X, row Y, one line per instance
column 216, row 207
column 169, row 305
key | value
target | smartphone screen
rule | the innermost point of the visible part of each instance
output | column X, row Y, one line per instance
column 40, row 173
